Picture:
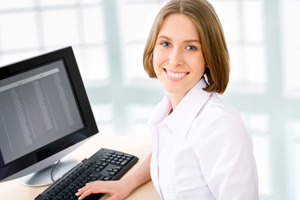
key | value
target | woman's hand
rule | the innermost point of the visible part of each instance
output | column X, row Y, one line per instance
column 118, row 190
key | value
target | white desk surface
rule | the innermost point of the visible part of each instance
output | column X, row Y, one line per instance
column 138, row 146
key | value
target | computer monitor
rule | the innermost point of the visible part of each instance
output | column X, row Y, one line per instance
column 44, row 115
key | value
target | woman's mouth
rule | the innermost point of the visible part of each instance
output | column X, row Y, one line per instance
column 175, row 75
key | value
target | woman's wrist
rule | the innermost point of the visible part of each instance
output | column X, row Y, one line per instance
column 130, row 182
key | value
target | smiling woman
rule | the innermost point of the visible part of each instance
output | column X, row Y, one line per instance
column 201, row 147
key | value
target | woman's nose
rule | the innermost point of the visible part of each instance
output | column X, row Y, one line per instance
column 176, row 57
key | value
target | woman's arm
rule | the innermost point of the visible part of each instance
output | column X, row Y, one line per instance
column 227, row 160
column 119, row 190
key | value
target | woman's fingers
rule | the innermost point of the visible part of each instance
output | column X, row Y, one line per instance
column 91, row 188
column 85, row 194
column 81, row 190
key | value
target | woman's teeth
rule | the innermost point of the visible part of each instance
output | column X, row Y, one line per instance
column 176, row 75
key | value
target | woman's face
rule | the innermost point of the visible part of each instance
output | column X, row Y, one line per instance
column 177, row 58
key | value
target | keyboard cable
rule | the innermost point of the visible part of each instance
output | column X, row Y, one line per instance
column 54, row 168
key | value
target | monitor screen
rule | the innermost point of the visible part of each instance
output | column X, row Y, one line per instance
column 44, row 110
column 37, row 107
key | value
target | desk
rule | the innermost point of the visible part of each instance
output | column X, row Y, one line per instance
column 138, row 146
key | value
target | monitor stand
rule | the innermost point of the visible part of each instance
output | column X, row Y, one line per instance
column 43, row 177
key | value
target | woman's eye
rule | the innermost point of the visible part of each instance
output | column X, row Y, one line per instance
column 167, row 44
column 190, row 47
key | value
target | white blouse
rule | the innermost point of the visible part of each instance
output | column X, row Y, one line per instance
column 202, row 150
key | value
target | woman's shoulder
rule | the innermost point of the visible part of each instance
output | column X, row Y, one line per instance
column 218, row 110
column 220, row 119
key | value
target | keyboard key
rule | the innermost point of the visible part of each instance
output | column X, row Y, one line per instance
column 124, row 163
column 101, row 177
column 107, row 178
column 112, row 173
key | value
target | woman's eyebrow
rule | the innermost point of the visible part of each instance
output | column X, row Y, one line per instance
column 190, row 41
column 165, row 37
column 186, row 41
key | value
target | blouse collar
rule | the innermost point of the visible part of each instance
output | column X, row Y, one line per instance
column 182, row 117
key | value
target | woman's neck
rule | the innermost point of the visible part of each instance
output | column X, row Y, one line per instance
column 176, row 98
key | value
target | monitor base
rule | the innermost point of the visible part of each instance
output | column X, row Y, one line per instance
column 43, row 177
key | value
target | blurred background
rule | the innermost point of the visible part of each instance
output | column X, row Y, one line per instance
column 108, row 38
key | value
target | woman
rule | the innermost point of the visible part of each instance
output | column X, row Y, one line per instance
column 201, row 148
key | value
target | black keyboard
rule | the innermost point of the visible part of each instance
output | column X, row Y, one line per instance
column 104, row 165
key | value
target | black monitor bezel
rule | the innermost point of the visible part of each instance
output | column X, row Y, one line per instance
column 84, row 107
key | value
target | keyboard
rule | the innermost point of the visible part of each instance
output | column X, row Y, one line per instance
column 104, row 165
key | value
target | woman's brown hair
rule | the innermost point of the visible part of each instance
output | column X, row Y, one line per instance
column 211, row 35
